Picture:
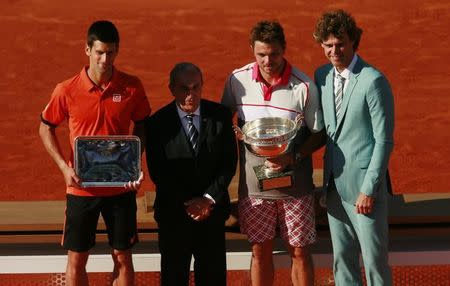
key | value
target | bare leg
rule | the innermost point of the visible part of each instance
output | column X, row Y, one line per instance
column 262, row 270
column 123, row 274
column 302, row 272
column 76, row 268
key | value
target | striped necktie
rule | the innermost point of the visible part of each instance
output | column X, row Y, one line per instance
column 192, row 132
column 338, row 96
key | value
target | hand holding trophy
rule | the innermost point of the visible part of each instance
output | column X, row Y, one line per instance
column 270, row 137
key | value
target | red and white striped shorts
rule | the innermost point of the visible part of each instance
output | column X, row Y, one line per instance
column 295, row 219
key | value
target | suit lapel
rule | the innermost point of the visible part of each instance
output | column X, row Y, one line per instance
column 328, row 98
column 349, row 91
column 205, row 124
column 180, row 139
column 347, row 95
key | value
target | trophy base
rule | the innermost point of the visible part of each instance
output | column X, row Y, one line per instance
column 272, row 180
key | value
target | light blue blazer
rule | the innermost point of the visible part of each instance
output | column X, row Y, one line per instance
column 360, row 143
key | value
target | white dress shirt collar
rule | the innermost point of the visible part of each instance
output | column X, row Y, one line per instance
column 346, row 72
column 196, row 119
column 182, row 113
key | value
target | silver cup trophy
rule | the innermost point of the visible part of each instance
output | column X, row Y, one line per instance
column 270, row 137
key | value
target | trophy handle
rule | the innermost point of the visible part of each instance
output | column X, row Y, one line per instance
column 299, row 121
column 239, row 134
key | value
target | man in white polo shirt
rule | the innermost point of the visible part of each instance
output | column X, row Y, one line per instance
column 271, row 87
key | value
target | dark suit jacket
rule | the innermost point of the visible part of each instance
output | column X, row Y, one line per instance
column 178, row 173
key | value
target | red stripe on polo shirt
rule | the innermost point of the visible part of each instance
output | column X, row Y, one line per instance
column 268, row 105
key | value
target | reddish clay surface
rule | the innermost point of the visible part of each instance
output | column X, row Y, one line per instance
column 42, row 44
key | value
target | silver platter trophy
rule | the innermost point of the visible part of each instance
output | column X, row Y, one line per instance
column 270, row 137
column 107, row 161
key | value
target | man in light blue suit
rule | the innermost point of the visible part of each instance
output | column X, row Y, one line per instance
column 358, row 112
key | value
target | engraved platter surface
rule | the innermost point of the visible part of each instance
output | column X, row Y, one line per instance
column 102, row 161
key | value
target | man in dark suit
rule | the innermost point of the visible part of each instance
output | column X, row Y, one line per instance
column 191, row 158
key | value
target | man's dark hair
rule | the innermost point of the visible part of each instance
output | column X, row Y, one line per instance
column 337, row 23
column 268, row 32
column 103, row 31
column 183, row 67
